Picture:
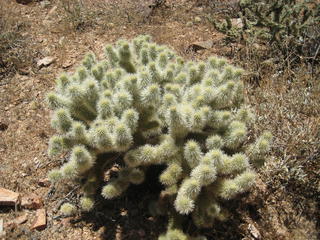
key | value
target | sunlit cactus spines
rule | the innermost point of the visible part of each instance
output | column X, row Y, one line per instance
column 67, row 209
column 144, row 106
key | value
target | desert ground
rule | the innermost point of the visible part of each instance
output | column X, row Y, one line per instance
column 42, row 39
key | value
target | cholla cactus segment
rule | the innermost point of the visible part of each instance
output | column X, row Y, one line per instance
column 69, row 170
column 61, row 120
column 237, row 163
column 191, row 188
column 55, row 175
column 257, row 151
column 173, row 234
column 114, row 189
column 145, row 106
column 56, row 145
column 192, row 153
column 204, row 173
column 171, row 175
column 214, row 142
column 228, row 188
column 86, row 203
column 68, row 209
column 183, row 204
column 82, row 159
column 235, row 134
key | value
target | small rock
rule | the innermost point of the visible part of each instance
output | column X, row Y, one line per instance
column 124, row 212
column 40, row 222
column 14, row 223
column 8, row 198
column 21, row 219
column 31, row 201
column 196, row 46
column 197, row 19
column 254, row 231
column 110, row 25
column 204, row 44
column 67, row 63
column 44, row 62
column 66, row 221
column 44, row 182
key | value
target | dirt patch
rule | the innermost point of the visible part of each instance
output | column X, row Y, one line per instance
column 278, row 208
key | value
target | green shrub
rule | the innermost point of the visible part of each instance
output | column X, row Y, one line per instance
column 145, row 106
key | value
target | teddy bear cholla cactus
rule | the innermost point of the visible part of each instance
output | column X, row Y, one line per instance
column 145, row 106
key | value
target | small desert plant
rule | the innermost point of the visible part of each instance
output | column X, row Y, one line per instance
column 145, row 106
column 80, row 15
column 76, row 14
column 289, row 26
column 14, row 53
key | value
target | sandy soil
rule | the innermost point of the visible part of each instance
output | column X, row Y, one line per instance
column 25, row 131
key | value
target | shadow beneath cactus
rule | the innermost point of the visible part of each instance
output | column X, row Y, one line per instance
column 128, row 217
column 231, row 228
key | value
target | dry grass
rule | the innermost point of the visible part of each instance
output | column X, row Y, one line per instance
column 77, row 15
column 80, row 15
column 290, row 108
column 284, row 91
column 16, row 54
column 286, row 102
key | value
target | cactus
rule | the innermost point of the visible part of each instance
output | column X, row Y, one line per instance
column 143, row 105
column 68, row 209
column 282, row 19
column 286, row 23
